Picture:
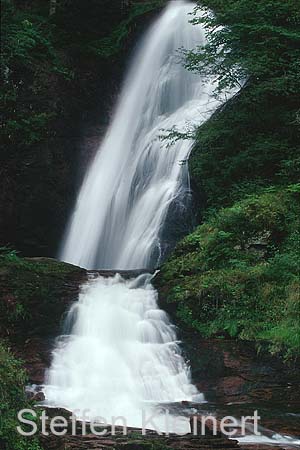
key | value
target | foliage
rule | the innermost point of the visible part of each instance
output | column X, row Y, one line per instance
column 111, row 45
column 12, row 400
column 238, row 273
column 253, row 141
column 246, row 42
column 28, row 56
column 244, row 148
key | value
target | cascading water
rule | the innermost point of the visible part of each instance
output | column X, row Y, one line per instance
column 134, row 179
column 122, row 357
column 122, row 352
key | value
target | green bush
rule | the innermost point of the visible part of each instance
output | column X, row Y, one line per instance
column 12, row 400
column 253, row 141
column 29, row 58
column 238, row 274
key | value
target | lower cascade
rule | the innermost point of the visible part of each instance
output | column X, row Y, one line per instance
column 119, row 353
column 122, row 357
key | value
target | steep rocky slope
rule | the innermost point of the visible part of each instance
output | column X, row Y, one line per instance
column 61, row 75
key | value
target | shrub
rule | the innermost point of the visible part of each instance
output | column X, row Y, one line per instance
column 12, row 400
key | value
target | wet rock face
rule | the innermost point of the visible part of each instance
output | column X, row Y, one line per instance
column 133, row 440
column 35, row 293
column 160, row 443
column 231, row 371
column 237, row 381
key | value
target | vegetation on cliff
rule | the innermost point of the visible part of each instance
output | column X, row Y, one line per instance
column 238, row 273
column 12, row 400
column 59, row 74
column 35, row 293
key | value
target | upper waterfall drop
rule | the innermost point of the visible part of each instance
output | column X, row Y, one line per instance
column 134, row 178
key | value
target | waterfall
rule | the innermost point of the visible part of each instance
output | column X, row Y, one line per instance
column 122, row 357
column 121, row 354
column 134, row 179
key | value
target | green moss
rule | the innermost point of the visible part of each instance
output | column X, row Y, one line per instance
column 12, row 400
column 32, row 298
column 238, row 273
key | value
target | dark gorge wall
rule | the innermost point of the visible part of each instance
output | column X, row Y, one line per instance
column 61, row 76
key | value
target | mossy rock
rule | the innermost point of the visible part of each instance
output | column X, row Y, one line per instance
column 35, row 293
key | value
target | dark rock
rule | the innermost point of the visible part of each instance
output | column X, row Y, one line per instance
column 39, row 397
column 237, row 381
column 43, row 289
column 127, row 274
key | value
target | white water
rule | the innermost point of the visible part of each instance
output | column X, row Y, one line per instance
column 122, row 353
column 134, row 178
column 122, row 357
